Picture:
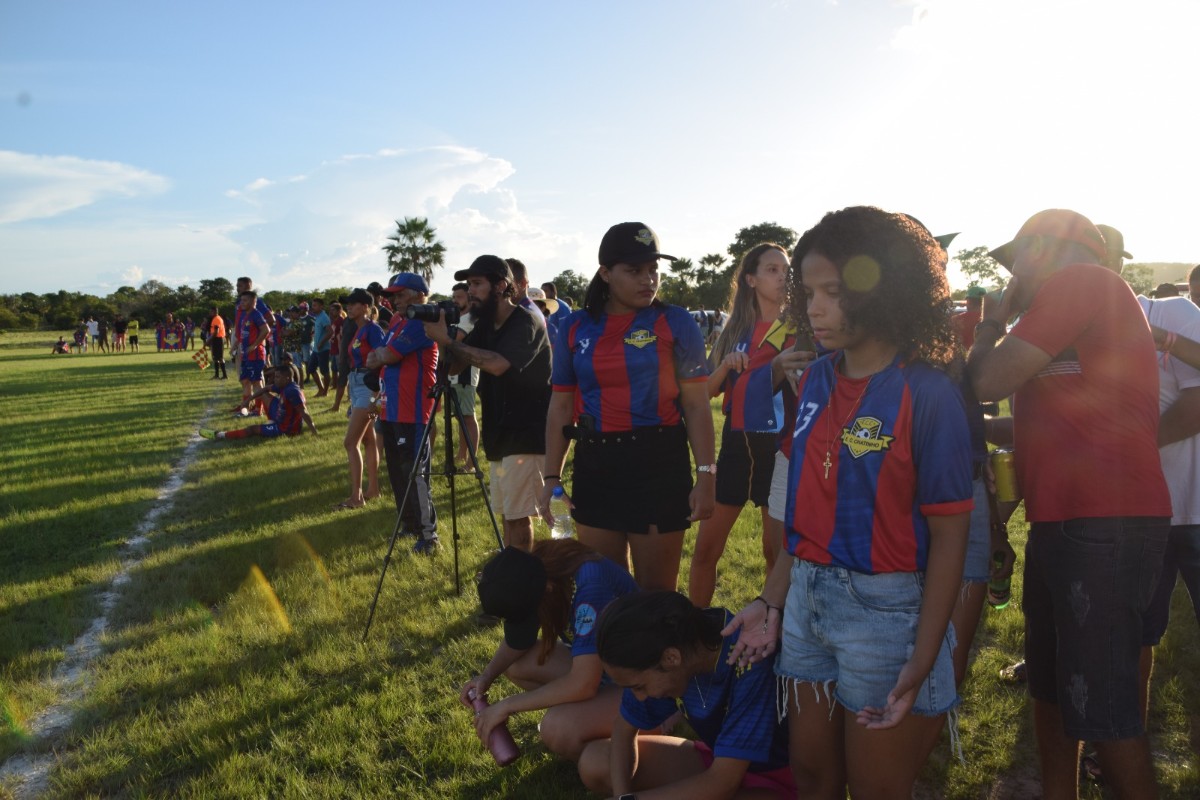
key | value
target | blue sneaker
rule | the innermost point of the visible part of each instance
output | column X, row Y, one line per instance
column 427, row 547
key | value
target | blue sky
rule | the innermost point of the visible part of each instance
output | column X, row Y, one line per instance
column 177, row 141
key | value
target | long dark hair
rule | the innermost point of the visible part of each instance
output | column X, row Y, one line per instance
column 597, row 295
column 894, row 276
column 635, row 629
column 562, row 558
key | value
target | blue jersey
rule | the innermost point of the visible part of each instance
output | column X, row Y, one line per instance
column 248, row 327
column 626, row 369
column 871, row 459
column 732, row 709
column 368, row 337
column 597, row 583
column 406, row 383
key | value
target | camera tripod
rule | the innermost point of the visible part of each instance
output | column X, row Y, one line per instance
column 447, row 401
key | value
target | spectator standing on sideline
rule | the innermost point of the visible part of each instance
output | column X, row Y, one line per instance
column 245, row 284
column 1085, row 423
column 216, row 343
column 636, row 369
column 409, row 360
column 94, row 332
column 133, row 335
column 189, row 334
column 102, row 327
column 322, row 333
column 345, row 335
column 252, row 336
column 746, row 463
column 120, row 329
column 964, row 323
column 563, row 310
column 464, row 384
column 383, row 310
column 360, row 430
column 512, row 352
column 521, row 283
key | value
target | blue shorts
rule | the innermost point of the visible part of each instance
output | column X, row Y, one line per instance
column 360, row 395
column 977, row 566
column 1182, row 559
column 269, row 430
column 251, row 370
column 1087, row 584
column 318, row 361
column 858, row 631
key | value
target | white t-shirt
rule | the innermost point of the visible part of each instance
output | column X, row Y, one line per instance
column 93, row 327
column 1180, row 460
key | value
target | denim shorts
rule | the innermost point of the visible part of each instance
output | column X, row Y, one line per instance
column 1182, row 560
column 977, row 566
column 858, row 631
column 777, row 503
column 1087, row 584
column 360, row 395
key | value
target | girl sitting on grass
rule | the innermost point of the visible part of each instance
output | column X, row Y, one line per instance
column 668, row 654
column 560, row 589
column 879, row 495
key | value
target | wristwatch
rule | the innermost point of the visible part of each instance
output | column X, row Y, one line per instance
column 710, row 469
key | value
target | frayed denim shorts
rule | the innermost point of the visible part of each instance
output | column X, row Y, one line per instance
column 857, row 631
column 977, row 567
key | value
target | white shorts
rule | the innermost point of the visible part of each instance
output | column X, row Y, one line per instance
column 777, row 501
column 516, row 484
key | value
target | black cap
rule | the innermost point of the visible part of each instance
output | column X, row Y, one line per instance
column 486, row 267
column 360, row 296
column 375, row 287
column 511, row 587
column 630, row 243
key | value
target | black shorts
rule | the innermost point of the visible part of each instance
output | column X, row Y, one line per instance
column 628, row 481
column 745, row 466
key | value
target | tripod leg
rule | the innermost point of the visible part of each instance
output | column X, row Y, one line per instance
column 462, row 431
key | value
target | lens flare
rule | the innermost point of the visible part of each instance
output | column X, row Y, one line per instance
column 261, row 588
column 861, row 274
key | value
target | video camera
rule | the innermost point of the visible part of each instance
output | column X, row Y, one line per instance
column 428, row 312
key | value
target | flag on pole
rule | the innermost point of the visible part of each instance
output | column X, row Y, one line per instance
column 201, row 358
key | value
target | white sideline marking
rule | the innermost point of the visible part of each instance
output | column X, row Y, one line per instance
column 27, row 775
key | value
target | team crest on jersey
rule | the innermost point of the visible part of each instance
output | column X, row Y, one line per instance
column 585, row 619
column 640, row 338
column 645, row 237
column 864, row 436
column 584, row 344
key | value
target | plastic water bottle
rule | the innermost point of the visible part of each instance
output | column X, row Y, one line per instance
column 999, row 592
column 500, row 741
column 560, row 509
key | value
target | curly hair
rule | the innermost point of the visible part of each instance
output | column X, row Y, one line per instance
column 635, row 629
column 894, row 277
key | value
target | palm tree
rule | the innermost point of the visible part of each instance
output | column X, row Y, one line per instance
column 415, row 248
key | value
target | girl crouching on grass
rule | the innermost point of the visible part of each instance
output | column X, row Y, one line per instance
column 560, row 589
column 879, row 495
column 668, row 655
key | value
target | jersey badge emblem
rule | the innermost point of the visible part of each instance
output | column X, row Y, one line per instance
column 585, row 619
column 645, row 237
column 864, row 436
column 640, row 338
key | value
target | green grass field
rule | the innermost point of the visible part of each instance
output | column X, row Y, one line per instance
column 233, row 666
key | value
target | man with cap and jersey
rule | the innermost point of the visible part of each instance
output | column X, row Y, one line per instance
column 1085, row 417
column 512, row 351
column 409, row 360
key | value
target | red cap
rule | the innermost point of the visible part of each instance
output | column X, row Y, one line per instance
column 1055, row 223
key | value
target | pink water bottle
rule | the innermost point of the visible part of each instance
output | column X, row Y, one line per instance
column 500, row 741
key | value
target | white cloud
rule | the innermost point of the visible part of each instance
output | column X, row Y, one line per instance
column 36, row 187
column 132, row 276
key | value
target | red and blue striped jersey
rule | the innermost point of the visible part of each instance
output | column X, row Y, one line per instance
column 260, row 306
column 406, row 383
column 898, row 451
column 751, row 402
column 368, row 336
column 290, row 412
column 248, row 327
column 626, row 368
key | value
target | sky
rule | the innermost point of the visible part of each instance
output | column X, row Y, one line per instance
column 178, row 142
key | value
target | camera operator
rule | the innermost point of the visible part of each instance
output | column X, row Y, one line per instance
column 465, row 383
column 512, row 352
column 409, row 360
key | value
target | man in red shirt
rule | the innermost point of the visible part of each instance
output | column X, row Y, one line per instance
column 1085, row 419
column 964, row 323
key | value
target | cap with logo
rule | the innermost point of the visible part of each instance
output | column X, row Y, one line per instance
column 407, row 280
column 630, row 243
column 511, row 587
column 1055, row 223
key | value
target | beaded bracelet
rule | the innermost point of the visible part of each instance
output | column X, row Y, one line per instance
column 768, row 605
